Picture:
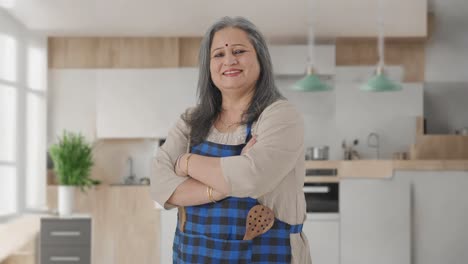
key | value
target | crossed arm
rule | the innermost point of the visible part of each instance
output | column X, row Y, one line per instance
column 202, row 172
column 258, row 170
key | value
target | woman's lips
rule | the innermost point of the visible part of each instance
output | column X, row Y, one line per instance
column 232, row 73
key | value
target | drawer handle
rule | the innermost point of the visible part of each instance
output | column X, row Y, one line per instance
column 71, row 259
column 316, row 189
column 65, row 233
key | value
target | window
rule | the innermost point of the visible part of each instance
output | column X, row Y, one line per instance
column 7, row 125
column 8, row 129
column 35, row 151
column 8, row 188
column 8, row 57
column 23, row 71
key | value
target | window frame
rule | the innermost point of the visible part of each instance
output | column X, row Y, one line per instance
column 24, row 41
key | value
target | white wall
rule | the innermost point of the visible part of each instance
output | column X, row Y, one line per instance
column 445, row 107
column 446, row 87
column 447, row 49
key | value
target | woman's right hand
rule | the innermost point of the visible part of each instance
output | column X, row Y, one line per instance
column 249, row 145
column 218, row 196
column 178, row 166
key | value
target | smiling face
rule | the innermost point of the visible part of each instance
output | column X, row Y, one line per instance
column 234, row 65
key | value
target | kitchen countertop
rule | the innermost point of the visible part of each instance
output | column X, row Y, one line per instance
column 17, row 233
column 379, row 168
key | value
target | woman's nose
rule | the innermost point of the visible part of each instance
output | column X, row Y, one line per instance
column 230, row 60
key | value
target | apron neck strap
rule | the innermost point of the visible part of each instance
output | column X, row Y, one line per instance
column 248, row 130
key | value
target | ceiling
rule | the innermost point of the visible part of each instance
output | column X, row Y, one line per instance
column 275, row 18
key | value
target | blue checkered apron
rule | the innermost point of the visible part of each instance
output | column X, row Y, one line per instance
column 213, row 232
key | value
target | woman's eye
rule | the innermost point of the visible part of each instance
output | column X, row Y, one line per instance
column 238, row 51
column 217, row 55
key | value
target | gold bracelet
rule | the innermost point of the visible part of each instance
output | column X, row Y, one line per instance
column 210, row 194
column 186, row 163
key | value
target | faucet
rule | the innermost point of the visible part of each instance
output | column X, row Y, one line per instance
column 130, row 179
column 375, row 144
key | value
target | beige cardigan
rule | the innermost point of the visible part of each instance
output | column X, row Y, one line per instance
column 272, row 171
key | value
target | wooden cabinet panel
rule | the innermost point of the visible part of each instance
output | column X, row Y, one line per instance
column 440, row 147
column 72, row 52
column 113, row 52
column 144, row 53
column 188, row 51
column 163, row 52
column 410, row 53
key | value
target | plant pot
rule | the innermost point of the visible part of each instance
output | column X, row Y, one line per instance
column 66, row 199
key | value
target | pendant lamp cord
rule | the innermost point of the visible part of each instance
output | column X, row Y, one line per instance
column 381, row 40
column 311, row 39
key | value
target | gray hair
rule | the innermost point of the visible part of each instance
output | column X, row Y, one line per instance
column 202, row 117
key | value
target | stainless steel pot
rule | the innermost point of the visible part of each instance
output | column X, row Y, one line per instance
column 317, row 153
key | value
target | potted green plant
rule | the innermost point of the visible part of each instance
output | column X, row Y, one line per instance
column 73, row 159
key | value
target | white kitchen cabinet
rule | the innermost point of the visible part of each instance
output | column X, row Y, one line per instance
column 142, row 103
column 375, row 221
column 439, row 215
column 168, row 227
column 323, row 234
column 71, row 103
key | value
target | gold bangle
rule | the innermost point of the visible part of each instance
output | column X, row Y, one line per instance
column 186, row 163
column 210, row 194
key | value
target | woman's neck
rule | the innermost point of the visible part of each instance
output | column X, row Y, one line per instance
column 236, row 103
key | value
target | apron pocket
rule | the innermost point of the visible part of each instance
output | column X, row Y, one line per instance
column 190, row 248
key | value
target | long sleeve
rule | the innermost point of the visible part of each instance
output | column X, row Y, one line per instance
column 280, row 143
column 164, row 181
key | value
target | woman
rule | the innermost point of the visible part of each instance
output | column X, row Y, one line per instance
column 242, row 145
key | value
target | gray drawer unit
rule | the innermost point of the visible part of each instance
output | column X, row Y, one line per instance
column 65, row 231
column 65, row 255
column 65, row 240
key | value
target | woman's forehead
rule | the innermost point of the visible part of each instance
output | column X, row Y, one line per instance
column 230, row 37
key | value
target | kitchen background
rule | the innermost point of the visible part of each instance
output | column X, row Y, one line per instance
column 330, row 118
column 124, row 91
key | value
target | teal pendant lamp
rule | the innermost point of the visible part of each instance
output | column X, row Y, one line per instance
column 380, row 82
column 311, row 82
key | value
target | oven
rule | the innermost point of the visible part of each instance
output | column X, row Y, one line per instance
column 322, row 197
